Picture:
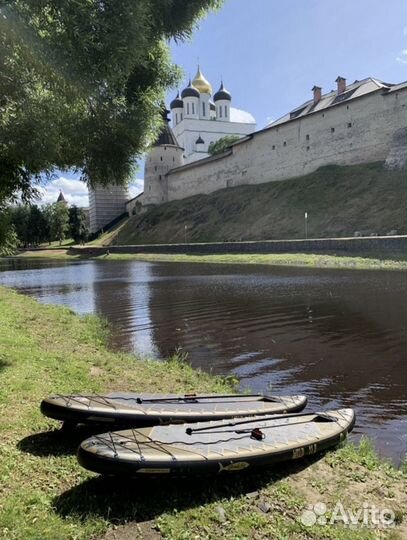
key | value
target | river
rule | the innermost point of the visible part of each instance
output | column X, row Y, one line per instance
column 339, row 336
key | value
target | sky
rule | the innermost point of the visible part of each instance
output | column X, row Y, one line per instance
column 271, row 53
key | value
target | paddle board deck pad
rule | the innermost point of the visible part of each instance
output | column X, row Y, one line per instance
column 128, row 410
column 214, row 447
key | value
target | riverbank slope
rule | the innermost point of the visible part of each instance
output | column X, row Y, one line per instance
column 340, row 201
column 309, row 260
column 45, row 494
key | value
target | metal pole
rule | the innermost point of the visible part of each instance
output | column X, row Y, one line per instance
column 306, row 225
column 185, row 233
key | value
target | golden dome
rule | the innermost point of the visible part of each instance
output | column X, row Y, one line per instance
column 201, row 84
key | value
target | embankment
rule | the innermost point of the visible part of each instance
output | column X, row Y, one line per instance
column 339, row 201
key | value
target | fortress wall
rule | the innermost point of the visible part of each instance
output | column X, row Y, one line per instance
column 363, row 132
column 159, row 161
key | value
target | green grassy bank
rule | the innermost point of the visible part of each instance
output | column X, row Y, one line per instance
column 45, row 495
column 339, row 202
column 310, row 260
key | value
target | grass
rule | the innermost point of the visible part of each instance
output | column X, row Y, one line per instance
column 339, row 202
column 373, row 262
column 108, row 237
column 57, row 244
column 45, row 495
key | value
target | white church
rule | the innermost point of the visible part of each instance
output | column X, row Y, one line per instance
column 199, row 118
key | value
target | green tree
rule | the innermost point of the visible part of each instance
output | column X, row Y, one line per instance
column 19, row 216
column 222, row 144
column 78, row 224
column 81, row 82
column 8, row 238
column 37, row 226
column 47, row 211
column 59, row 221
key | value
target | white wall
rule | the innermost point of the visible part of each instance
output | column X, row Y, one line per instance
column 106, row 204
column 188, row 131
column 363, row 130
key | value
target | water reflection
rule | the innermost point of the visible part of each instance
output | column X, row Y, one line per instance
column 338, row 336
column 124, row 300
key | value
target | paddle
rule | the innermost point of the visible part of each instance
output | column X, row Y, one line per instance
column 195, row 397
column 322, row 416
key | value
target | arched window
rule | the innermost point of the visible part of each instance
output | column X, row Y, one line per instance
column 226, row 111
column 220, row 111
column 193, row 108
column 176, row 118
column 203, row 109
column 187, row 108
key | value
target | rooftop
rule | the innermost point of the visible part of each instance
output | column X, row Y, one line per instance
column 352, row 91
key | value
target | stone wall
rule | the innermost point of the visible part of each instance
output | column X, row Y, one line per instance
column 397, row 158
column 159, row 161
column 378, row 245
column 360, row 131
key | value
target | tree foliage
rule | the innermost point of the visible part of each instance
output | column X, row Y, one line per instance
column 59, row 221
column 33, row 225
column 8, row 235
column 78, row 225
column 81, row 83
column 222, row 144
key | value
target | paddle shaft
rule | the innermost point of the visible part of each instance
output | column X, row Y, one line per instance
column 189, row 431
column 196, row 397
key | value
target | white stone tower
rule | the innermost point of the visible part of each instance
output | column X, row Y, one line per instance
column 164, row 155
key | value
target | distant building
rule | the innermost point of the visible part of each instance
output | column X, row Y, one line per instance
column 105, row 205
column 198, row 120
column 361, row 122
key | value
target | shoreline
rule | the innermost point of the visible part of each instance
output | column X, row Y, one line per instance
column 47, row 349
column 301, row 260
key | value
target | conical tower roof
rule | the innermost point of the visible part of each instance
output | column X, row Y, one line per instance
column 166, row 135
column 61, row 198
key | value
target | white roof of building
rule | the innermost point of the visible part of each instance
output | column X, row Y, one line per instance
column 242, row 117
column 353, row 91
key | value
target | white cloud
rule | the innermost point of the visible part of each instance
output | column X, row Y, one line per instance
column 75, row 191
column 237, row 115
column 136, row 187
column 403, row 57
